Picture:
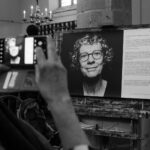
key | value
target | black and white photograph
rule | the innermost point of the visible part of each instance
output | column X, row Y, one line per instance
column 94, row 62
column 14, row 50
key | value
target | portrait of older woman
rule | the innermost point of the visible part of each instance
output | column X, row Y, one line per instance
column 93, row 62
column 90, row 54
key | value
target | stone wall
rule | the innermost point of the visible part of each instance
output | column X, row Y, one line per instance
column 95, row 13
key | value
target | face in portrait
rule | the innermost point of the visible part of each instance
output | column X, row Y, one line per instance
column 13, row 51
column 91, row 60
column 90, row 55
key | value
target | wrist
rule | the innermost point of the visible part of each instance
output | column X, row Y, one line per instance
column 67, row 123
column 59, row 103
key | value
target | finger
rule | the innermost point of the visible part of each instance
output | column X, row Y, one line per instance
column 40, row 56
column 51, row 49
column 60, row 63
column 59, row 59
column 37, row 75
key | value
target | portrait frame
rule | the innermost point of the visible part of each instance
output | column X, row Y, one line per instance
column 111, row 72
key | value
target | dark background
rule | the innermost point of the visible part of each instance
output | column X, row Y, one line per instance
column 111, row 72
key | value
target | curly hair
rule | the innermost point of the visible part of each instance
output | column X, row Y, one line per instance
column 90, row 39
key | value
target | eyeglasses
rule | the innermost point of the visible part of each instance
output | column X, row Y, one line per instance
column 95, row 54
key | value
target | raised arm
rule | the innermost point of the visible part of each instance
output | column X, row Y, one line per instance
column 51, row 78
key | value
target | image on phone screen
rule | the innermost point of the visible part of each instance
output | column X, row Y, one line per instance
column 14, row 50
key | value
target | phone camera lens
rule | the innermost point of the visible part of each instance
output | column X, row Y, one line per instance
column 40, row 43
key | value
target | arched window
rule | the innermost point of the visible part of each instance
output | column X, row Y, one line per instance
column 64, row 3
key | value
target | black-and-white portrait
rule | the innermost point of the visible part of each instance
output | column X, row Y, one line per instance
column 14, row 50
column 94, row 62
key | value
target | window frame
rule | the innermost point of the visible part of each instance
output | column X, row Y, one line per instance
column 60, row 4
column 65, row 13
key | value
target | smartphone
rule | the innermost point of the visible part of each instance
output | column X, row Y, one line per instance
column 21, row 51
